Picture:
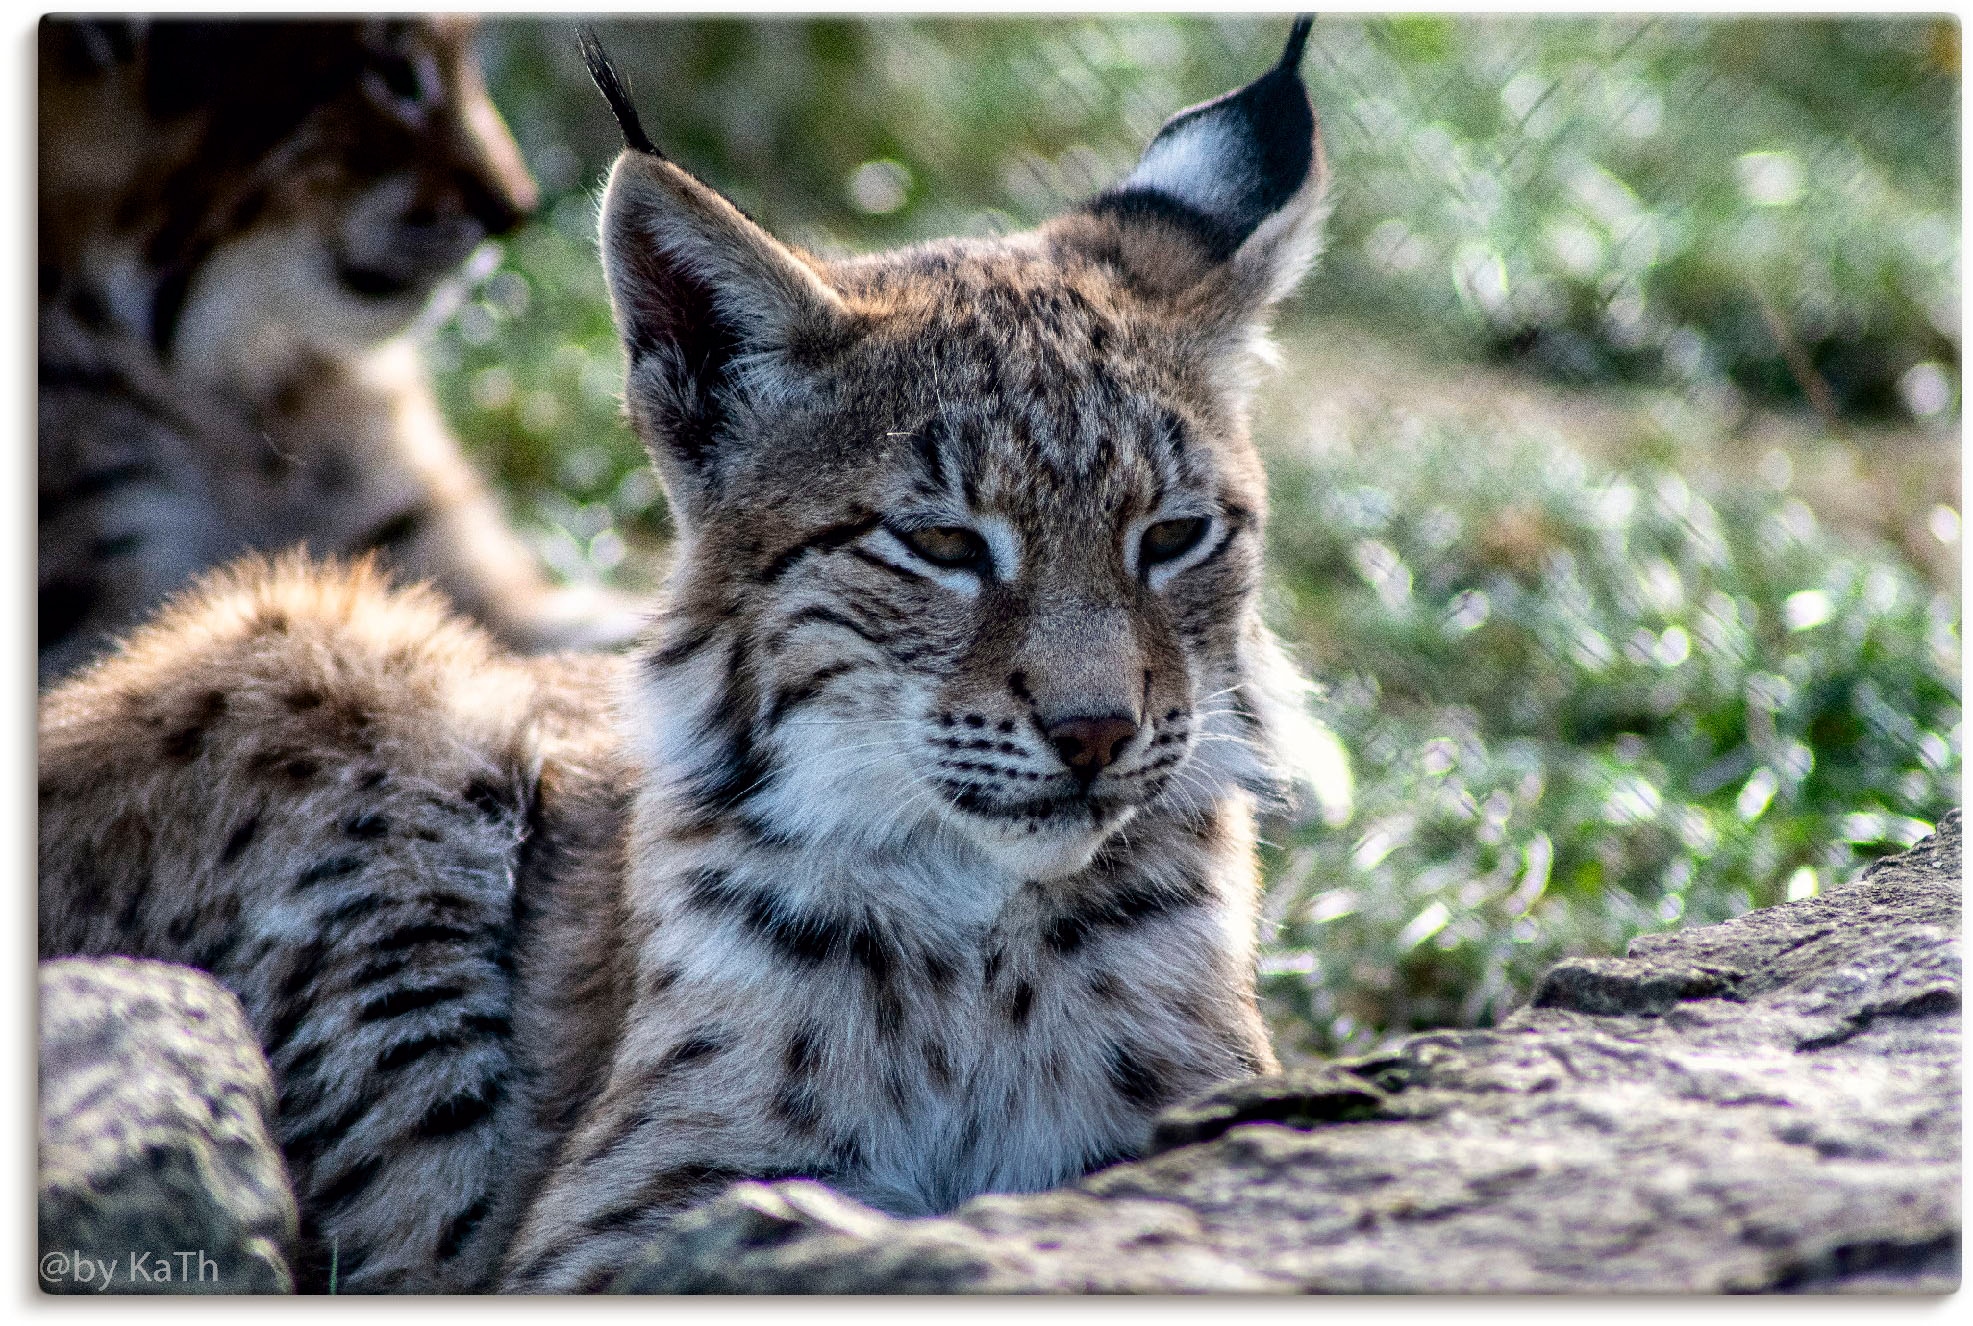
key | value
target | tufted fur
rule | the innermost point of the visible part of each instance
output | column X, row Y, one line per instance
column 824, row 889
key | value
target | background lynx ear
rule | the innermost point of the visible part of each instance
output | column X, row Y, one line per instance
column 704, row 300
column 1229, row 189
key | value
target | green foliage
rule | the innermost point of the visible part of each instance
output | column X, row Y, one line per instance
column 1622, row 197
column 528, row 367
column 1659, row 198
column 1581, row 707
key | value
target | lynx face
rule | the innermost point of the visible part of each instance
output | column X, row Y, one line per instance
column 970, row 529
column 330, row 193
column 396, row 166
column 1012, row 605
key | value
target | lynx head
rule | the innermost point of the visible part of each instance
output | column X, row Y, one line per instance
column 315, row 176
column 970, row 533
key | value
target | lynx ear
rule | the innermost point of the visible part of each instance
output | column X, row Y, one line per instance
column 1230, row 189
column 706, row 302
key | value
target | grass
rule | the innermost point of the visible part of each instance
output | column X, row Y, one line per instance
column 1582, row 701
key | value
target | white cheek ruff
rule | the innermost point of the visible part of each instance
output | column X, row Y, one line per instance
column 843, row 774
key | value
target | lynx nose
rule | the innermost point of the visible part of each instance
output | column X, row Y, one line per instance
column 1090, row 745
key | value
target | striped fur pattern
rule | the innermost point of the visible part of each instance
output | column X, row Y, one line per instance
column 366, row 821
column 914, row 849
column 226, row 261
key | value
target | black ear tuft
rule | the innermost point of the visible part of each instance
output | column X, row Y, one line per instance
column 1221, row 168
column 611, row 86
column 1291, row 54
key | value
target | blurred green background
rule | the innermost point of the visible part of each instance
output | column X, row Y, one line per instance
column 1615, row 451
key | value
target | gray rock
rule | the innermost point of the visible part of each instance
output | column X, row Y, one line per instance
column 157, row 1171
column 1769, row 1104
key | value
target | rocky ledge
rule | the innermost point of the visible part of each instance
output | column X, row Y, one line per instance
column 157, row 1171
column 1769, row 1104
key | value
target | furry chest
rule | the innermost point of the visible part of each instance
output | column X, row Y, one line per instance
column 976, row 1103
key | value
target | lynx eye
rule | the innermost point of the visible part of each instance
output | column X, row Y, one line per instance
column 1171, row 538
column 947, row 545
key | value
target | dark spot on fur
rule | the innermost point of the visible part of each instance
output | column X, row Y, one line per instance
column 890, row 1013
column 801, row 936
column 497, row 1025
column 302, row 699
column 459, row 1112
column 410, row 1051
column 1020, row 1004
column 367, row 827
column 429, row 932
column 460, row 1227
column 936, row 1062
column 806, row 689
column 397, row 531
column 871, row 953
column 352, row 909
column 1105, row 986
column 795, row 1104
column 803, row 1050
column 334, row 867
column 670, row 1188
column 133, row 904
column 695, row 1047
column 1134, row 1080
column 214, row 954
column 291, row 1007
column 396, row 1003
column 1124, row 908
column 342, row 1189
column 185, row 743
column 103, row 550
column 241, row 838
column 1065, row 934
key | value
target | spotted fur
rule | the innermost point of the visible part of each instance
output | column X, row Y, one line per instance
column 225, row 262
column 918, row 873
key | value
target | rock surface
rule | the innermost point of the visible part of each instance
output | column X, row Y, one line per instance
column 157, row 1171
column 1768, row 1104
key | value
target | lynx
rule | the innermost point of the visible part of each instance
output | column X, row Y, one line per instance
column 227, row 260
column 913, row 851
